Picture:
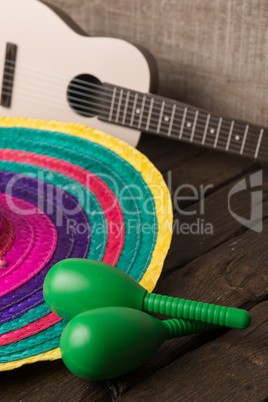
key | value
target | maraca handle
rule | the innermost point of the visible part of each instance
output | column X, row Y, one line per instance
column 198, row 311
column 177, row 327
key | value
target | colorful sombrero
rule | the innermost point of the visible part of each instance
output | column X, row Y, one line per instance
column 69, row 191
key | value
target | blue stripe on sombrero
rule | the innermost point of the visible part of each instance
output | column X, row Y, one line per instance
column 71, row 150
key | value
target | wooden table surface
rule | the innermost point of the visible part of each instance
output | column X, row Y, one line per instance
column 228, row 267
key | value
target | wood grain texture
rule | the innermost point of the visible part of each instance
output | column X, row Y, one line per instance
column 212, row 54
column 195, row 377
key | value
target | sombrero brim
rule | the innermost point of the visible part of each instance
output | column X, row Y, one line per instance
column 126, row 221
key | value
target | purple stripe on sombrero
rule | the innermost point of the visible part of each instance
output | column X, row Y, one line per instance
column 69, row 244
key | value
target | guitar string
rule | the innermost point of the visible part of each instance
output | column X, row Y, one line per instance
column 189, row 111
column 175, row 118
column 200, row 119
column 235, row 148
column 223, row 131
column 220, row 142
column 127, row 114
column 146, row 108
column 109, row 89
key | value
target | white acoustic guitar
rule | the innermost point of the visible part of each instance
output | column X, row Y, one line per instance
column 50, row 69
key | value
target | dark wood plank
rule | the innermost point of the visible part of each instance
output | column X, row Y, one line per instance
column 232, row 367
column 178, row 157
column 49, row 381
column 167, row 154
column 210, row 223
column 209, row 174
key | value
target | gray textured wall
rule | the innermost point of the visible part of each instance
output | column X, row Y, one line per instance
column 210, row 53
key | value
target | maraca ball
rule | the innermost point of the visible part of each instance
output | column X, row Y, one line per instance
column 76, row 285
column 111, row 341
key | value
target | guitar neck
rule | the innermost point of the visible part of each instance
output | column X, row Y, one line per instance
column 164, row 117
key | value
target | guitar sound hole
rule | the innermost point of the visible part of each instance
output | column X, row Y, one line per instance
column 84, row 95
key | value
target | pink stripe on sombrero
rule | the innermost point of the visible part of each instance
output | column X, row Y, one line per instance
column 24, row 262
column 22, row 227
column 23, row 241
column 109, row 203
column 30, row 329
column 7, row 235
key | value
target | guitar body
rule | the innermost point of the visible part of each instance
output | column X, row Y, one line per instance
column 50, row 53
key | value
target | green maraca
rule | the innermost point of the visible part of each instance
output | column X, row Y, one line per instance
column 76, row 285
column 111, row 341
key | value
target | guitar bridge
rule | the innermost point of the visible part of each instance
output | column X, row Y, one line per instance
column 8, row 75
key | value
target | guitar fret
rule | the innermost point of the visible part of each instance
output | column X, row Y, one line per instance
column 171, row 120
column 142, row 108
column 244, row 140
column 229, row 136
column 182, row 123
column 126, row 106
column 119, row 105
column 112, row 104
column 150, row 114
column 206, row 129
column 160, row 117
column 193, row 129
column 259, row 143
column 217, row 133
column 133, row 110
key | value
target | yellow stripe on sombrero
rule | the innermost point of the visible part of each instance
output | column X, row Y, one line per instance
column 152, row 178
column 53, row 354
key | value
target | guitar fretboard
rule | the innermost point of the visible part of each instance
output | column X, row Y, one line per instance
column 168, row 118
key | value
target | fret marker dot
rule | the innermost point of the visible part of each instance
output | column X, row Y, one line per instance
column 166, row 118
column 212, row 131
column 138, row 111
column 237, row 138
column 188, row 124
